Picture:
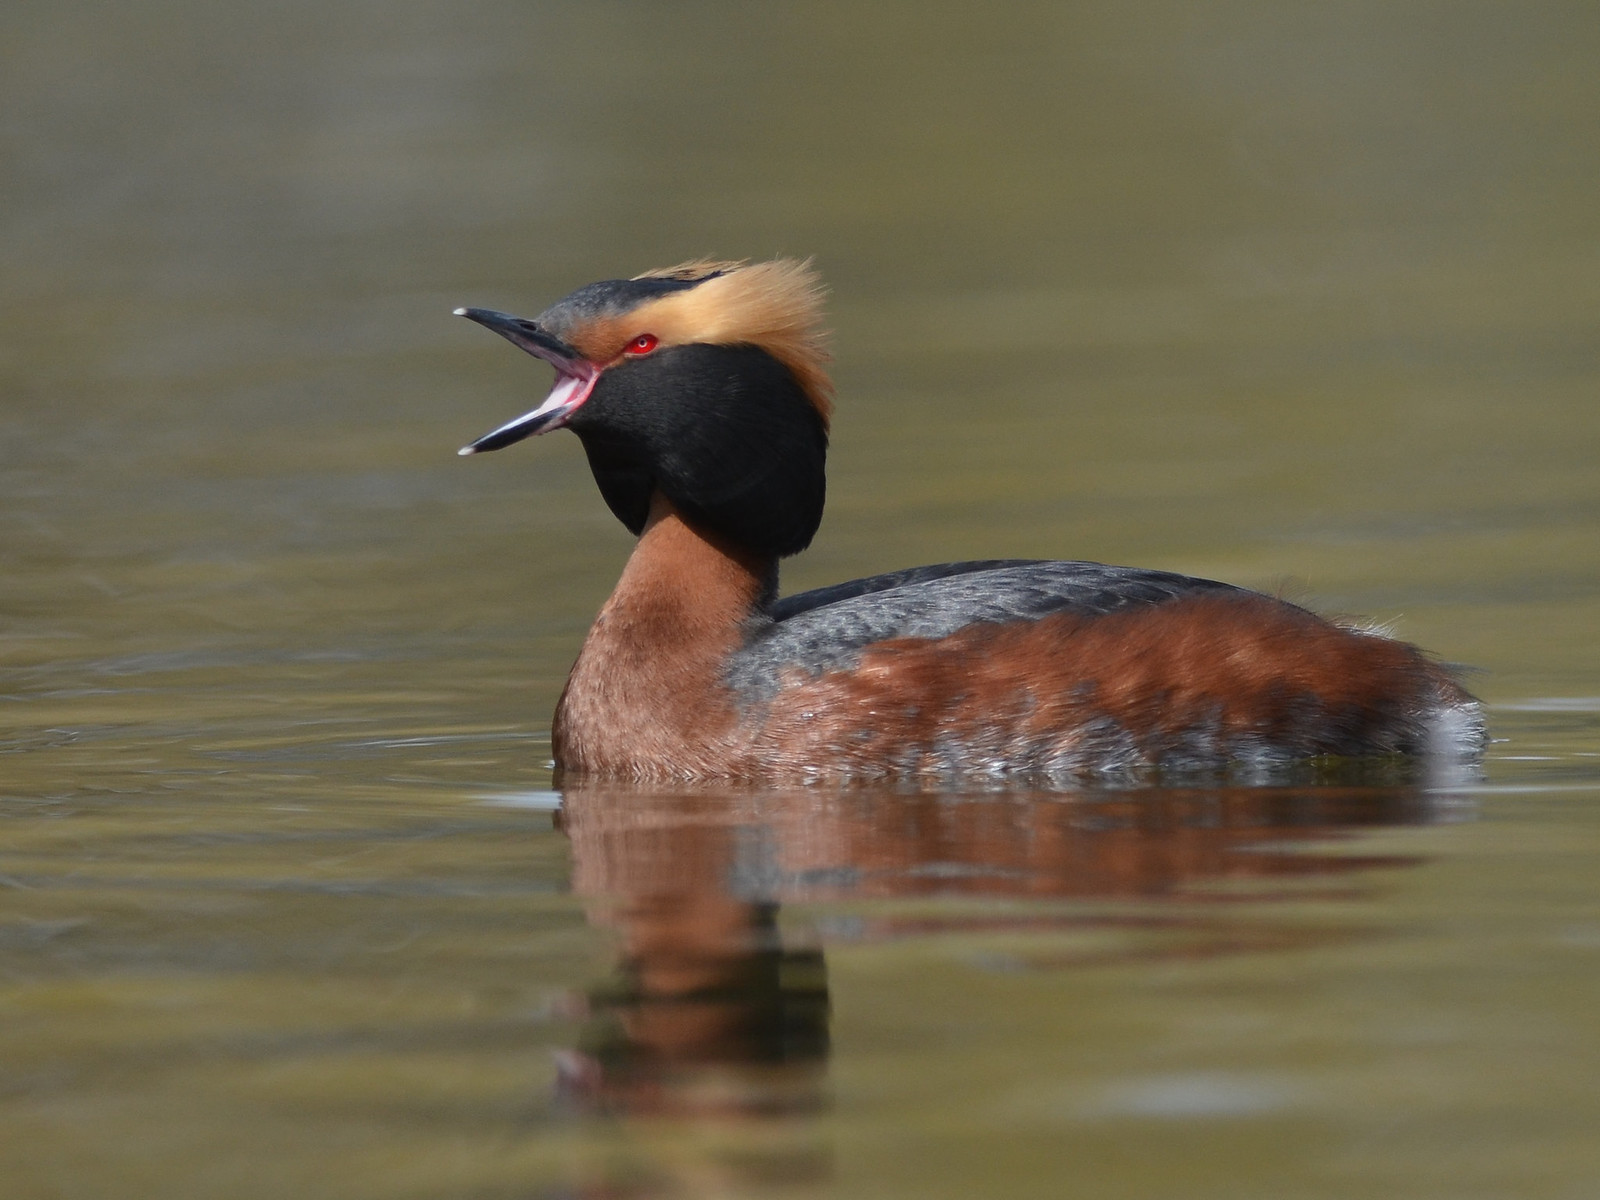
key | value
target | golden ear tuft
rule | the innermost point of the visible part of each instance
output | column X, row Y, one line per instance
column 695, row 270
column 776, row 305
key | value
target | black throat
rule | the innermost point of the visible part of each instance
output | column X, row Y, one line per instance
column 724, row 432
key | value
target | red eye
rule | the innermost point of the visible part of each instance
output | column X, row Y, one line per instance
column 643, row 344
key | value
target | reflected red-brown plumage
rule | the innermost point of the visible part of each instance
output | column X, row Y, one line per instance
column 719, row 1011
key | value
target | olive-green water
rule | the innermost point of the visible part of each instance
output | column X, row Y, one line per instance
column 1303, row 296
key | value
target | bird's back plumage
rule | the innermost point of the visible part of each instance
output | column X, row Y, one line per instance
column 825, row 629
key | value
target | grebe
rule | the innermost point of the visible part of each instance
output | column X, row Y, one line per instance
column 701, row 396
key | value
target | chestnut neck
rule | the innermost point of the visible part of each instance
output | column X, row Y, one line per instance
column 680, row 568
column 646, row 694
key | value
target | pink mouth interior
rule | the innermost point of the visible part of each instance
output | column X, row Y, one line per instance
column 575, row 380
column 568, row 392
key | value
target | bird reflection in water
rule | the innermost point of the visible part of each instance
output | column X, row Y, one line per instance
column 709, row 1014
column 716, row 1015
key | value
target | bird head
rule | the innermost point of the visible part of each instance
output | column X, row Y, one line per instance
column 706, row 382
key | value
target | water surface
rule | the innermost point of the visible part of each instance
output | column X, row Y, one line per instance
column 1300, row 297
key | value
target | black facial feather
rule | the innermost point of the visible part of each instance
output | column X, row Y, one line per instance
column 623, row 475
column 725, row 432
